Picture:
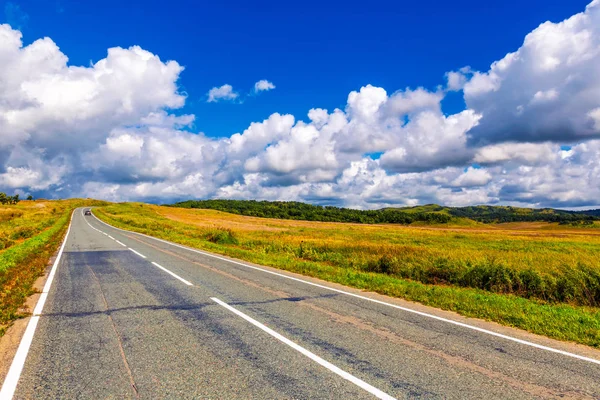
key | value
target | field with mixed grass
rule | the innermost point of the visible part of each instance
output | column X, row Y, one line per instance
column 541, row 277
column 30, row 232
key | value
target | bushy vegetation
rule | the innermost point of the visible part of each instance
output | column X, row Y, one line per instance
column 579, row 285
column 5, row 199
column 308, row 212
column 221, row 236
column 431, row 213
column 488, row 214
column 593, row 213
column 30, row 232
column 542, row 278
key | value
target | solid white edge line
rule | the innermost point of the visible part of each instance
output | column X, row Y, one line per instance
column 14, row 373
column 421, row 313
column 171, row 273
column 139, row 254
column 336, row 370
column 111, row 237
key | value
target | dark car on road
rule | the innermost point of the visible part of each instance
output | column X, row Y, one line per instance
column 87, row 212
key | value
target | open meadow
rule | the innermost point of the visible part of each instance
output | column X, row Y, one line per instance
column 541, row 277
column 30, row 232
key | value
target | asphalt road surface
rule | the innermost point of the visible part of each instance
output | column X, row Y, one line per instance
column 129, row 316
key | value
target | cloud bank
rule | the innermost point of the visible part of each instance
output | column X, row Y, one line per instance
column 530, row 134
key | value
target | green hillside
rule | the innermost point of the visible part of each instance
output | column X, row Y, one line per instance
column 491, row 214
column 430, row 213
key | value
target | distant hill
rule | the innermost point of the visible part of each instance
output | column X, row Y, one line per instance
column 308, row 212
column 594, row 213
column 497, row 214
column 430, row 213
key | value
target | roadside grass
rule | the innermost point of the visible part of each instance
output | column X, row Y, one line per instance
column 533, row 277
column 30, row 233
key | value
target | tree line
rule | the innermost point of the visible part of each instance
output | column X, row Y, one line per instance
column 308, row 212
column 430, row 213
column 5, row 199
column 499, row 214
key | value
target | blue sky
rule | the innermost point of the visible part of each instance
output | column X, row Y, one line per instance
column 371, row 104
column 315, row 52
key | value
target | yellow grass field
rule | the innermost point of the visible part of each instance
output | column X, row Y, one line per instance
column 537, row 276
column 541, row 246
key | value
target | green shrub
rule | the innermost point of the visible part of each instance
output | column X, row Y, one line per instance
column 384, row 265
column 23, row 232
column 221, row 236
column 5, row 243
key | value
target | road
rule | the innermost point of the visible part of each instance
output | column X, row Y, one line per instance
column 128, row 316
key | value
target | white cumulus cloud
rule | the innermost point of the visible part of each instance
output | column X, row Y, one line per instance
column 224, row 92
column 263, row 85
column 545, row 90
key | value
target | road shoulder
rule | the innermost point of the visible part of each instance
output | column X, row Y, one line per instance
column 13, row 335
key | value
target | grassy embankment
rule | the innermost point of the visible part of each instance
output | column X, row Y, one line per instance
column 30, row 232
column 538, row 277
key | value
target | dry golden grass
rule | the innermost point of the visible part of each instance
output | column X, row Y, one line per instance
column 541, row 246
